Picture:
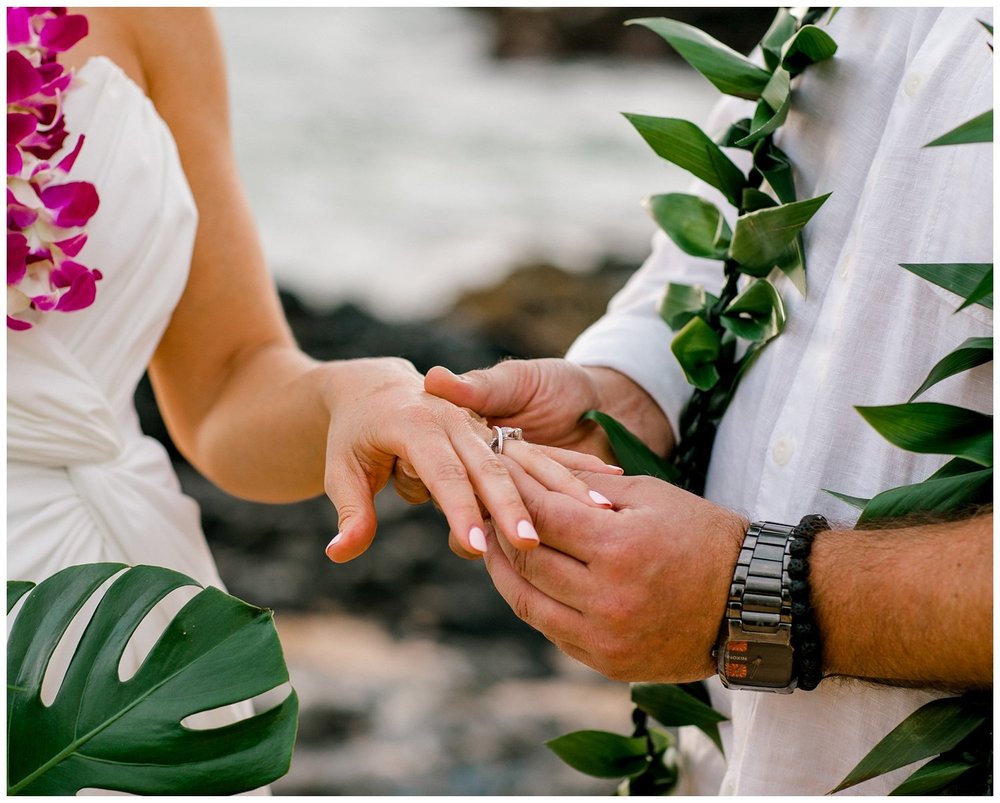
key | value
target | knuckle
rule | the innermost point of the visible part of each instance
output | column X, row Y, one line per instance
column 347, row 511
column 451, row 472
column 521, row 605
column 492, row 467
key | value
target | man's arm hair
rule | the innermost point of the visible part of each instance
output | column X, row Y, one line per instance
column 908, row 605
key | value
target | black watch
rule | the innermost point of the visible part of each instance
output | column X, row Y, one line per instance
column 754, row 650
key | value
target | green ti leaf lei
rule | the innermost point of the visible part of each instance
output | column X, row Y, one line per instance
column 764, row 243
column 956, row 732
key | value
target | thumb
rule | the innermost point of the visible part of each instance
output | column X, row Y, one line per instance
column 498, row 392
column 348, row 488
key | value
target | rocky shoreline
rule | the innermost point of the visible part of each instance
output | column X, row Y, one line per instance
column 415, row 677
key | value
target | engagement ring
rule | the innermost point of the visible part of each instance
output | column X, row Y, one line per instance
column 505, row 434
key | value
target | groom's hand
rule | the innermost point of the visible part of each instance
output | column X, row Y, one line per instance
column 547, row 397
column 636, row 592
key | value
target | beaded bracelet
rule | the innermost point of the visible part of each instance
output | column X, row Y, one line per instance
column 806, row 645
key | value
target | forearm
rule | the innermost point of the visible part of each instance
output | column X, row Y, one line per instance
column 910, row 605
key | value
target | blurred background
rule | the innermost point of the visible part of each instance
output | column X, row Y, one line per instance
column 453, row 186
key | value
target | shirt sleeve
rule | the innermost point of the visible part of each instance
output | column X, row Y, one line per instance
column 634, row 340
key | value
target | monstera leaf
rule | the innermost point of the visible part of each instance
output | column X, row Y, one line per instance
column 102, row 732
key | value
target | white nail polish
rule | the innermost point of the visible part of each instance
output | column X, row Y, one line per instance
column 525, row 531
column 477, row 539
column 600, row 499
column 336, row 540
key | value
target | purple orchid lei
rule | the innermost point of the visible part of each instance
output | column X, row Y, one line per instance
column 45, row 212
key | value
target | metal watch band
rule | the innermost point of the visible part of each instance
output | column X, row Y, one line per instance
column 754, row 650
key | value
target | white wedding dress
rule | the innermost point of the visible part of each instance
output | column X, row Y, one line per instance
column 84, row 484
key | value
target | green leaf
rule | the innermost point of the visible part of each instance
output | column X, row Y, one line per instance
column 775, row 166
column 934, row 776
column 782, row 28
column 755, row 314
column 688, row 147
column 632, row 454
column 974, row 351
column 792, row 262
column 987, row 26
column 854, row 501
column 696, row 348
column 810, row 45
column 674, row 707
column 954, row 468
column 932, row 729
column 944, row 495
column 932, row 428
column 15, row 590
column 601, row 754
column 962, row 278
column 735, row 132
column 761, row 237
column 730, row 72
column 978, row 129
column 981, row 291
column 696, row 226
column 772, row 109
column 681, row 302
column 753, row 199
column 127, row 736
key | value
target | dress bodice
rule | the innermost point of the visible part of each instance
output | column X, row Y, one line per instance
column 83, row 483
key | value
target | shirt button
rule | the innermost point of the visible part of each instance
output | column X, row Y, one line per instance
column 782, row 450
column 912, row 84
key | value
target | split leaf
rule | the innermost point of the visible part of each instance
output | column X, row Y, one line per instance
column 772, row 108
column 128, row 736
column 781, row 30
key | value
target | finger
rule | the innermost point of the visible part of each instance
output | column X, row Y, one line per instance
column 563, row 522
column 496, row 392
column 349, row 488
column 408, row 485
column 557, row 621
column 554, row 573
column 494, row 487
column 459, row 549
column 553, row 475
column 434, row 460
column 579, row 461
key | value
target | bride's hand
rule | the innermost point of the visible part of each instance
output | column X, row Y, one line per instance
column 383, row 423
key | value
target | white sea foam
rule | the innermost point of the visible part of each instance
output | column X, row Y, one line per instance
column 391, row 161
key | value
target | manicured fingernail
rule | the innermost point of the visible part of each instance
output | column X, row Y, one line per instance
column 336, row 540
column 600, row 499
column 525, row 531
column 619, row 469
column 477, row 539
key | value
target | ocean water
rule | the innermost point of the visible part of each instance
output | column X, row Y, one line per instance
column 392, row 162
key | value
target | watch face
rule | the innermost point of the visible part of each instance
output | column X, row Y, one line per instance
column 757, row 664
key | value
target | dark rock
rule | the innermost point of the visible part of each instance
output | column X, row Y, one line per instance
column 573, row 32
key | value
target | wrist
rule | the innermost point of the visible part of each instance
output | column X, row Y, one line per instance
column 620, row 397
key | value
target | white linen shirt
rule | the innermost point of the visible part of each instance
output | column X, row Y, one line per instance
column 867, row 334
